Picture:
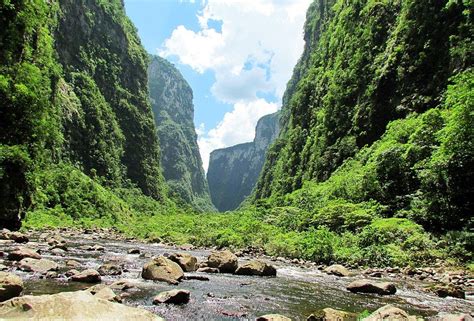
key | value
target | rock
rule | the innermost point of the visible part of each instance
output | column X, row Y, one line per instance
column 337, row 270
column 256, row 267
column 73, row 263
column 23, row 252
column 71, row 272
column 186, row 261
column 87, row 276
column 368, row 286
column 146, row 255
column 80, row 305
column 208, row 270
column 454, row 317
column 173, row 297
column 104, row 292
column 110, row 269
column 133, row 251
column 225, row 261
column 389, row 312
column 449, row 290
column 273, row 317
column 122, row 285
column 162, row 269
column 329, row 314
column 10, row 286
column 58, row 251
column 38, row 266
column 3, row 267
column 18, row 237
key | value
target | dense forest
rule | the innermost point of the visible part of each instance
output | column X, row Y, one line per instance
column 373, row 164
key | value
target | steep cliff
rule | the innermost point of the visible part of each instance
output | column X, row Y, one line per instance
column 371, row 72
column 74, row 105
column 233, row 171
column 172, row 104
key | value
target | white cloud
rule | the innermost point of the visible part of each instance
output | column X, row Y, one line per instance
column 237, row 126
column 254, row 52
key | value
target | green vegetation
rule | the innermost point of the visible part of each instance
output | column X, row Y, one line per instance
column 172, row 105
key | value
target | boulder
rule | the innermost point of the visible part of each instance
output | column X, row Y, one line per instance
column 10, row 286
column 174, row 297
column 225, row 261
column 133, row 251
column 73, row 263
column 162, row 269
column 87, row 276
column 104, row 292
column 23, row 252
column 38, row 266
column 110, row 269
column 80, row 305
column 71, row 272
column 3, row 267
column 208, row 270
column 186, row 261
column 446, row 290
column 18, row 237
column 454, row 317
column 273, row 317
column 368, row 286
column 337, row 269
column 389, row 312
column 122, row 285
column 256, row 267
column 329, row 314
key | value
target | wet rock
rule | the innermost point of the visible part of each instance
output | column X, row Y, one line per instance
column 368, row 286
column 57, row 242
column 18, row 237
column 162, row 269
column 104, row 292
column 122, row 285
column 329, row 314
column 110, row 269
column 186, row 261
column 273, row 317
column 71, row 272
column 446, row 290
column 389, row 312
column 146, row 255
column 208, row 270
column 256, row 267
column 225, row 261
column 58, row 251
column 337, row 270
column 87, row 276
column 80, row 305
column 73, row 263
column 23, row 252
column 38, row 266
column 3, row 267
column 91, row 248
column 454, row 317
column 10, row 286
column 174, row 297
column 133, row 251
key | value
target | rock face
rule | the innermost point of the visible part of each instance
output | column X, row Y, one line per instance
column 389, row 312
column 162, row 269
column 337, row 270
column 173, row 297
column 368, row 286
column 10, row 286
column 233, row 171
column 256, row 267
column 38, row 266
column 76, row 306
column 172, row 105
column 225, row 261
column 87, row 276
column 186, row 261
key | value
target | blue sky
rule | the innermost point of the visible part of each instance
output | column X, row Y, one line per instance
column 237, row 56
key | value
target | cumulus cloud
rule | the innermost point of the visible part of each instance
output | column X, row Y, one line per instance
column 253, row 53
column 237, row 126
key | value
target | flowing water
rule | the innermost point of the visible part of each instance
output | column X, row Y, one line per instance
column 296, row 292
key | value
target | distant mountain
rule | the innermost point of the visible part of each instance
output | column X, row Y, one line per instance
column 233, row 171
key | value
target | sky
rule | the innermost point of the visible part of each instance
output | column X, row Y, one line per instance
column 237, row 56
